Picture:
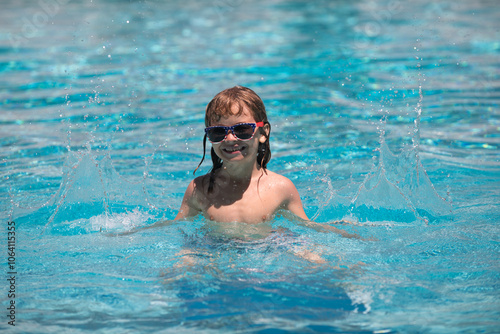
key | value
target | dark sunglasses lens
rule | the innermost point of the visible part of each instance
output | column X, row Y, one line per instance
column 244, row 131
column 216, row 134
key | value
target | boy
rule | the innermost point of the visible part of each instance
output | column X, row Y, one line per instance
column 239, row 187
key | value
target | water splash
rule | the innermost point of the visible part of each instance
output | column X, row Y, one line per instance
column 93, row 196
column 111, row 222
column 398, row 189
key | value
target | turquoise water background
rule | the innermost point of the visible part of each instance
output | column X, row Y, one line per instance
column 384, row 113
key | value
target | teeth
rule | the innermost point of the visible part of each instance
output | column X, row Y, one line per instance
column 232, row 149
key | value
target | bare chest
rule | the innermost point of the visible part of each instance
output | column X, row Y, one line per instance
column 253, row 206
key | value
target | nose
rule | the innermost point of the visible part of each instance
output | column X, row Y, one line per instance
column 230, row 136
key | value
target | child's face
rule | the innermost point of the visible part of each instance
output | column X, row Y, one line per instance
column 233, row 149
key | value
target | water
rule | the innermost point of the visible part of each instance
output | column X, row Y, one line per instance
column 384, row 113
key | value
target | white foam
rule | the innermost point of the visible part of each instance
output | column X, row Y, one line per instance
column 106, row 222
column 118, row 221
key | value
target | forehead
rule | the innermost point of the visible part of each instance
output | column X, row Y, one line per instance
column 236, row 116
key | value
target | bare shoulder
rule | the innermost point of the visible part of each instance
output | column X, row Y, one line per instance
column 287, row 193
column 196, row 190
column 199, row 185
column 281, row 183
column 192, row 203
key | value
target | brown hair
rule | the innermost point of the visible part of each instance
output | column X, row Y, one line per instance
column 222, row 106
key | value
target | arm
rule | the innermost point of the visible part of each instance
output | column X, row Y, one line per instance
column 294, row 205
column 154, row 225
column 292, row 201
column 189, row 206
column 328, row 228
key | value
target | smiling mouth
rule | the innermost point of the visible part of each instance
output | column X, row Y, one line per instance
column 233, row 150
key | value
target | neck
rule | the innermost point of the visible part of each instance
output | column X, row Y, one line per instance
column 241, row 173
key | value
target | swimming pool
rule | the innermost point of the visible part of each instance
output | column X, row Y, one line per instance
column 384, row 113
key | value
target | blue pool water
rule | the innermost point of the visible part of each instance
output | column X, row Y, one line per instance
column 385, row 113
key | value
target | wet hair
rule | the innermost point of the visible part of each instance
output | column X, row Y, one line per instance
column 224, row 104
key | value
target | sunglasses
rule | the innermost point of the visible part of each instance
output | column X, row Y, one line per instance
column 242, row 131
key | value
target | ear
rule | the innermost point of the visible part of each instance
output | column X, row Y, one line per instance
column 266, row 130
